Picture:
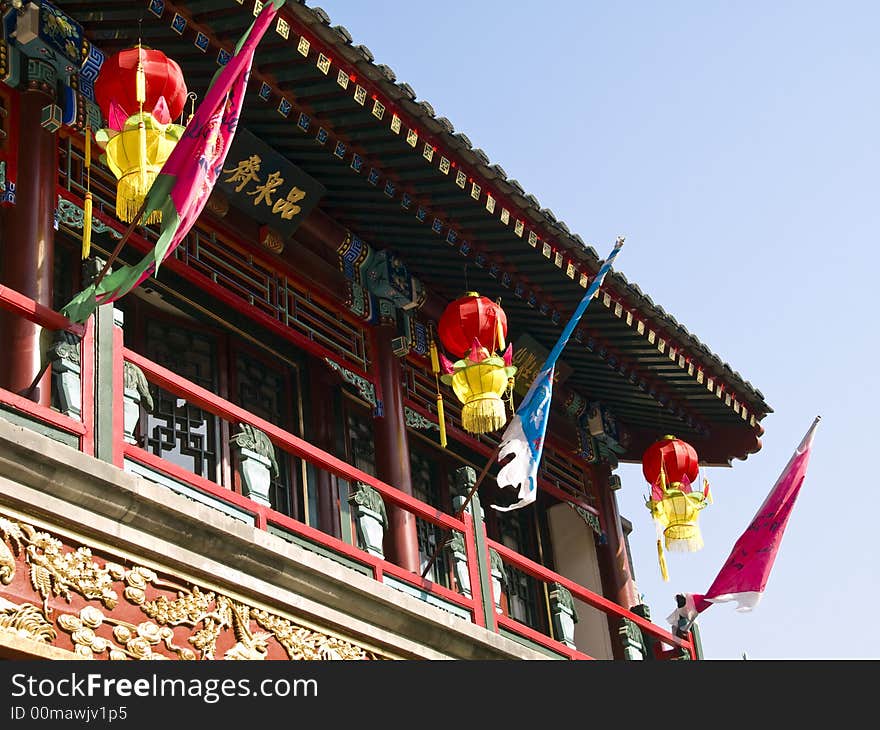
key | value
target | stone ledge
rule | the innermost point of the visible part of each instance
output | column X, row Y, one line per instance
column 91, row 499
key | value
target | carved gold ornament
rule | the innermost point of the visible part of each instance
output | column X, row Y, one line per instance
column 203, row 617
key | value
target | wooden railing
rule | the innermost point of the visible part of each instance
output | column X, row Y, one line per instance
column 83, row 428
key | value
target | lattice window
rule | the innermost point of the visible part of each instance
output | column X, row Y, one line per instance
column 567, row 474
column 522, row 590
column 176, row 430
column 361, row 443
column 425, row 475
column 267, row 392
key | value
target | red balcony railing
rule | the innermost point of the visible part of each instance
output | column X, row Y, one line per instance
column 665, row 643
column 82, row 428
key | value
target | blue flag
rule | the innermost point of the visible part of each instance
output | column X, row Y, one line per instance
column 524, row 435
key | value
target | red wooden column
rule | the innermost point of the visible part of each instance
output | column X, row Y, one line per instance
column 323, row 420
column 613, row 559
column 401, row 542
column 28, row 244
column 614, row 568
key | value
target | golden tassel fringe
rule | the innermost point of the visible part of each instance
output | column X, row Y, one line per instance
column 130, row 193
column 441, row 420
column 683, row 538
column 483, row 415
column 87, row 208
column 689, row 544
column 662, row 559
column 87, row 227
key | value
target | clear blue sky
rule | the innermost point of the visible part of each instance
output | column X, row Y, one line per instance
column 735, row 145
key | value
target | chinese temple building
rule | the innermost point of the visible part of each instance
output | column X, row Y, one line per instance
column 243, row 458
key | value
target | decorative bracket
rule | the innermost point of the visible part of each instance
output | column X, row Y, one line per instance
column 366, row 389
column 70, row 214
column 414, row 419
column 588, row 517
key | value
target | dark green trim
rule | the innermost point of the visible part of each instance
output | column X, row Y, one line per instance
column 428, row 598
column 191, row 493
column 482, row 562
column 530, row 644
column 698, row 644
column 104, row 383
column 32, row 424
column 319, row 549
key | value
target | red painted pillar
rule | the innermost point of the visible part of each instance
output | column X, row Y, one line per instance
column 392, row 454
column 614, row 567
column 619, row 584
column 28, row 247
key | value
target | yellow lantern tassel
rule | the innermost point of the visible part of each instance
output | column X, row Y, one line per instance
column 435, row 360
column 87, row 227
column 87, row 207
column 441, row 418
column 662, row 559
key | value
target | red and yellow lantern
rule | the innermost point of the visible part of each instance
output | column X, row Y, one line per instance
column 140, row 91
column 474, row 330
column 470, row 318
column 117, row 87
column 671, row 467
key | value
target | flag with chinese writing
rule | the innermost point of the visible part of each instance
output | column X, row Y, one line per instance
column 744, row 575
column 185, row 182
column 524, row 436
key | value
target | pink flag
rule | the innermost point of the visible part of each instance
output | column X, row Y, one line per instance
column 744, row 575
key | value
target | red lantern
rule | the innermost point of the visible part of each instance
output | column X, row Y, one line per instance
column 140, row 91
column 675, row 459
column 670, row 466
column 472, row 317
column 117, row 83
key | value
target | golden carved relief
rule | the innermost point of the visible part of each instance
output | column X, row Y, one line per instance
column 300, row 643
column 25, row 619
column 203, row 617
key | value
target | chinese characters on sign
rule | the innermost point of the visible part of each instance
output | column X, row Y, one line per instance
column 529, row 357
column 267, row 185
